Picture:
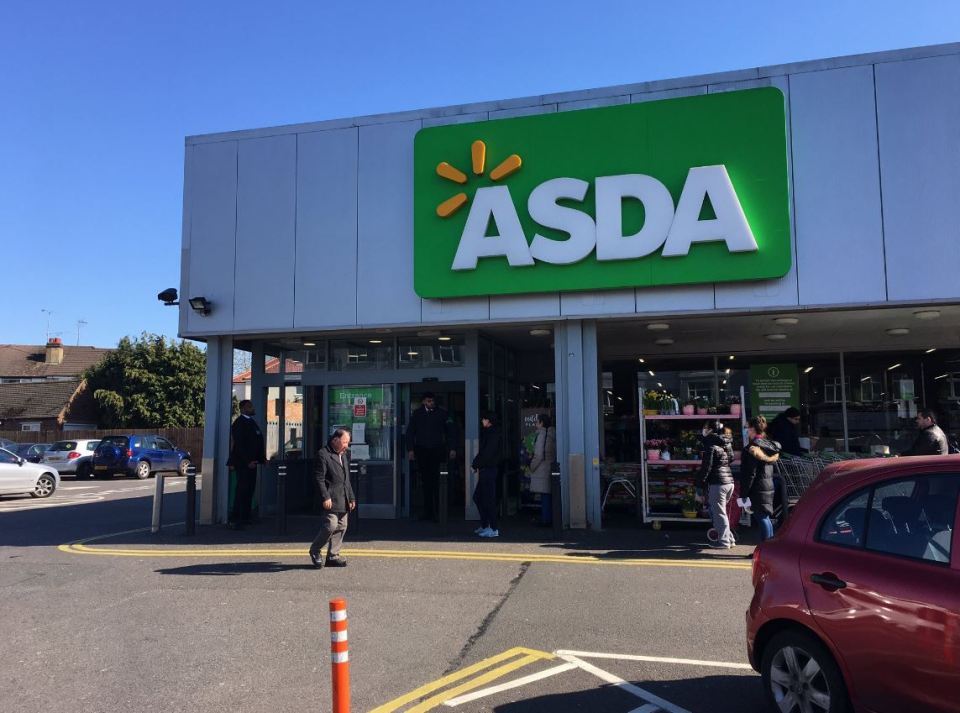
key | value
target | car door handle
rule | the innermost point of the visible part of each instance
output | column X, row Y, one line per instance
column 828, row 580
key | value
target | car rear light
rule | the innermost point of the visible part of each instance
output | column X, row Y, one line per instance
column 755, row 564
column 72, row 454
column 129, row 453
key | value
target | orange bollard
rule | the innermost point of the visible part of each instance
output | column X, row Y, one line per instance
column 339, row 656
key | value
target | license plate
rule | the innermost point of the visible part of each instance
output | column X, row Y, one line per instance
column 99, row 467
column 56, row 458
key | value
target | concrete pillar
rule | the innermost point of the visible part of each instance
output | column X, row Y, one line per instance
column 578, row 421
column 216, row 430
column 471, row 425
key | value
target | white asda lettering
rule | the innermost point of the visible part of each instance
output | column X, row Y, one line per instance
column 675, row 230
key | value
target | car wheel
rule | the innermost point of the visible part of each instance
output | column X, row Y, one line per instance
column 44, row 487
column 184, row 467
column 143, row 470
column 800, row 675
column 84, row 471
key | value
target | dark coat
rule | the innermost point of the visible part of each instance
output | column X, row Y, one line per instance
column 787, row 435
column 431, row 429
column 246, row 443
column 930, row 442
column 756, row 474
column 333, row 479
column 489, row 454
column 717, row 457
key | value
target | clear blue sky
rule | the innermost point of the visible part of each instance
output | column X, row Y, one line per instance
column 96, row 98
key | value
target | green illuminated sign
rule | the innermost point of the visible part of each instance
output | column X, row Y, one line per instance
column 681, row 191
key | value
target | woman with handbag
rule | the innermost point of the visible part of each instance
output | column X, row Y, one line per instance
column 756, row 474
column 544, row 454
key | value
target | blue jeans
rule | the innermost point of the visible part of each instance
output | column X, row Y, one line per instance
column 766, row 527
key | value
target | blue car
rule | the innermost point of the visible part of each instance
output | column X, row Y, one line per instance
column 139, row 456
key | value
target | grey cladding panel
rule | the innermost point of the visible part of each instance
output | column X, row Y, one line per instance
column 266, row 213
column 918, row 106
column 326, row 263
column 213, row 211
column 385, row 252
column 837, row 187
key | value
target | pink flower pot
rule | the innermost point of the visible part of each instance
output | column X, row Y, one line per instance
column 653, row 454
column 688, row 410
column 701, row 411
column 734, row 409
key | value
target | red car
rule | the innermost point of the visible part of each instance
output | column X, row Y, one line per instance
column 856, row 603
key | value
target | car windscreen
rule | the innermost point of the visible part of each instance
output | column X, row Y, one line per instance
column 92, row 445
column 114, row 441
column 64, row 446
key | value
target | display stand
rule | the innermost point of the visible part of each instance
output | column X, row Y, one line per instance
column 666, row 482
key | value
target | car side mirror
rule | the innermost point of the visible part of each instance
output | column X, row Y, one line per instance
column 21, row 461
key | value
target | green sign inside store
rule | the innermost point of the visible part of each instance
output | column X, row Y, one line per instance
column 680, row 191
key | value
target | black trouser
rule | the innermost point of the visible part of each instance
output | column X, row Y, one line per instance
column 485, row 497
column 428, row 463
column 243, row 497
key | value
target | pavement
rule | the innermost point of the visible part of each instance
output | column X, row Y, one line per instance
column 104, row 616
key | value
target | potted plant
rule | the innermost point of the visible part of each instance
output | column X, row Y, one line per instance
column 651, row 402
column 688, row 504
column 733, row 402
column 653, row 447
column 702, row 404
column 689, row 407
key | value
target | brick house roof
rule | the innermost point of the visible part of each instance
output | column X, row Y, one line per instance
column 29, row 361
column 271, row 366
column 63, row 400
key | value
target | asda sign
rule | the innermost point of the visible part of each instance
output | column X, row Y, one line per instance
column 681, row 191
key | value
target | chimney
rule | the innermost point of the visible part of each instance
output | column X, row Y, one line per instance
column 54, row 351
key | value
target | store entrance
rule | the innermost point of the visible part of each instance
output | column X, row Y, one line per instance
column 450, row 396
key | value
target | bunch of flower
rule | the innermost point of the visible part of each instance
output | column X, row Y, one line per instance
column 652, row 399
column 656, row 444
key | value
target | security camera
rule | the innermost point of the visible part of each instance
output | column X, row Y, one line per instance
column 168, row 296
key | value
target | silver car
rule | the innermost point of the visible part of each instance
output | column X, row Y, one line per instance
column 18, row 475
column 72, row 457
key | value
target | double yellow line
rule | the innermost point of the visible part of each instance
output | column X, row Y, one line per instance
column 514, row 659
column 228, row 552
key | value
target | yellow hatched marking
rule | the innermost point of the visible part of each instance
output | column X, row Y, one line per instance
column 510, row 165
column 427, row 688
column 445, row 170
column 451, row 205
column 478, row 152
column 477, row 682
column 80, row 548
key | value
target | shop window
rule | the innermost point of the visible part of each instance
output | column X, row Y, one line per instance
column 432, row 353
column 833, row 389
column 871, row 389
column 361, row 354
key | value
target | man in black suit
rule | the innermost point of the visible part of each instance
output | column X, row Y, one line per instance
column 247, row 449
column 431, row 438
column 332, row 473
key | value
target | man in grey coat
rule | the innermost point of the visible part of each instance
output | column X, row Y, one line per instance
column 332, row 473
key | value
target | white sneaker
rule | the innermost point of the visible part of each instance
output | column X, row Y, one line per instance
column 480, row 529
column 490, row 533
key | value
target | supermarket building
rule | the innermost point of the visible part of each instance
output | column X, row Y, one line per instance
column 592, row 255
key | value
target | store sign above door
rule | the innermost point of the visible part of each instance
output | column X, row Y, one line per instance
column 673, row 192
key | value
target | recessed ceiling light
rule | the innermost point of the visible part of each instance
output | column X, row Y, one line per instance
column 376, row 341
column 413, row 353
column 786, row 320
column 619, row 398
column 641, row 360
column 727, row 372
column 651, row 372
column 659, row 384
column 808, row 370
column 931, row 350
column 866, row 378
column 664, row 341
column 898, row 331
column 732, row 357
column 539, row 332
column 309, row 344
column 927, row 314
column 942, row 376
column 658, row 326
column 444, row 339
column 776, row 336
column 894, row 366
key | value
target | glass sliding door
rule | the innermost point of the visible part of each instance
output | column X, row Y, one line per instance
column 369, row 412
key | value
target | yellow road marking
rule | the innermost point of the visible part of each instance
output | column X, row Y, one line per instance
column 214, row 552
column 481, row 680
column 527, row 656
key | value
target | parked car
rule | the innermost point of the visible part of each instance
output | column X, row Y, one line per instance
column 856, row 601
column 33, row 452
column 18, row 475
column 139, row 456
column 72, row 457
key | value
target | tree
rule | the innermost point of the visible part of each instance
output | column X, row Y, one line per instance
column 149, row 382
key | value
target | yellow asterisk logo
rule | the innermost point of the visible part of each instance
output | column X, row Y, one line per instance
column 478, row 154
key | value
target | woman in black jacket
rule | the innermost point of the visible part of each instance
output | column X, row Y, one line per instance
column 756, row 474
column 716, row 477
column 486, row 464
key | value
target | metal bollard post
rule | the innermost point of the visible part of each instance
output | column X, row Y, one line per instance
column 191, row 517
column 443, row 495
column 155, row 523
column 339, row 656
column 282, row 499
column 556, row 501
